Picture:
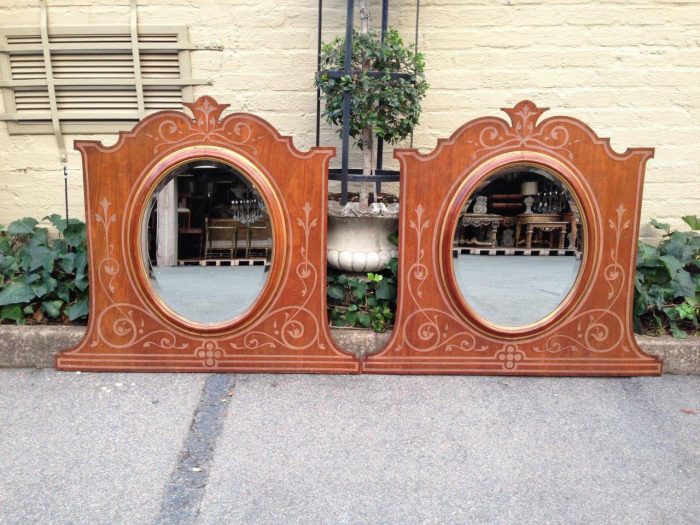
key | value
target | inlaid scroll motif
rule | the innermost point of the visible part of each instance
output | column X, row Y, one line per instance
column 128, row 327
column 598, row 330
column 436, row 329
column 206, row 127
column 523, row 133
column 289, row 324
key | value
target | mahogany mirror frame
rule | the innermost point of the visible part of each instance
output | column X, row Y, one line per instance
column 590, row 332
column 130, row 328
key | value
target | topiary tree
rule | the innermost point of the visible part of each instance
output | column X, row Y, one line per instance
column 385, row 102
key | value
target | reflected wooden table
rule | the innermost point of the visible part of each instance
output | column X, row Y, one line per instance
column 546, row 222
column 483, row 220
column 574, row 220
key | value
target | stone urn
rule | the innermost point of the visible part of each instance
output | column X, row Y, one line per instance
column 358, row 236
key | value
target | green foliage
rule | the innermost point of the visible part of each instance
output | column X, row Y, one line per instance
column 369, row 303
column 389, row 106
column 667, row 282
column 43, row 279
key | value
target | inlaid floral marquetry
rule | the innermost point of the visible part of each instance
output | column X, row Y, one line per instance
column 436, row 330
column 129, row 328
column 589, row 333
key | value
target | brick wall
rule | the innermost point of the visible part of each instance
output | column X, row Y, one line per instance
column 629, row 68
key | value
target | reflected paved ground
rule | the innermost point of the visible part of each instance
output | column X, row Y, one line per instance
column 213, row 449
column 515, row 290
column 209, row 294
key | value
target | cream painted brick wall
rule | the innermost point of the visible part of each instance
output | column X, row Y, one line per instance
column 630, row 69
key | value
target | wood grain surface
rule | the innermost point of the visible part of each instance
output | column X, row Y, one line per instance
column 590, row 332
column 129, row 326
column 286, row 330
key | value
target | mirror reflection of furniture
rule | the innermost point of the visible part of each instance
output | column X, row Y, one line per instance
column 259, row 238
column 489, row 221
column 190, row 244
column 546, row 223
column 184, row 218
column 221, row 236
column 529, row 209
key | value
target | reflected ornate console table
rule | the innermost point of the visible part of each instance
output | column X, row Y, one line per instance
column 543, row 222
column 484, row 220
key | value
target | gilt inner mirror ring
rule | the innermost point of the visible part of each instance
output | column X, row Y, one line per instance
column 516, row 243
column 204, row 239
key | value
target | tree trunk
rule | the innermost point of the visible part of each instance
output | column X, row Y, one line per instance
column 367, row 136
column 366, row 187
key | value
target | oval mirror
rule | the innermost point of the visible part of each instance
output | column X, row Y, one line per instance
column 207, row 241
column 518, row 246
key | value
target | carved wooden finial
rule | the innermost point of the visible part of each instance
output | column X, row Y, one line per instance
column 524, row 116
column 206, row 111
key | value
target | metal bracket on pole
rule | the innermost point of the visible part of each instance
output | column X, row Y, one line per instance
column 65, row 189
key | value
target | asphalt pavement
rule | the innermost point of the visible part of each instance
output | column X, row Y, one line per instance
column 214, row 449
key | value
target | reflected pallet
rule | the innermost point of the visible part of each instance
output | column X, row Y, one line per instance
column 223, row 262
column 513, row 251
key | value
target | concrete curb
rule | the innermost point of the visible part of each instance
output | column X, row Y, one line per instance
column 35, row 346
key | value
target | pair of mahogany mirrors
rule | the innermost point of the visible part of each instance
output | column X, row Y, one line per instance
column 517, row 248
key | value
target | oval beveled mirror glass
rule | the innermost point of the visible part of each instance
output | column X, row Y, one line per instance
column 207, row 241
column 518, row 246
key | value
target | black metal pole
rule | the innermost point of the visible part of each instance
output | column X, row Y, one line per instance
column 380, row 141
column 347, row 69
column 65, row 190
column 318, row 69
column 416, row 43
column 385, row 17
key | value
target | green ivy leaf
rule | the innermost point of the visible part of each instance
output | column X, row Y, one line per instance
column 364, row 319
column 79, row 309
column 386, row 291
column 393, row 265
column 22, row 226
column 56, row 221
column 52, row 308
column 661, row 225
column 351, row 318
column 74, row 234
column 359, row 290
column 683, row 284
column 67, row 262
column 41, row 256
column 16, row 292
column 693, row 221
column 335, row 292
column 677, row 332
column 40, row 289
column 12, row 312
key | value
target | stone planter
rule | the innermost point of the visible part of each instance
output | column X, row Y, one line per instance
column 360, row 341
column 358, row 238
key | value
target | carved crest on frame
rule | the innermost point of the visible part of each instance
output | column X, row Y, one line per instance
column 285, row 329
column 590, row 332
